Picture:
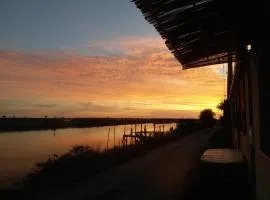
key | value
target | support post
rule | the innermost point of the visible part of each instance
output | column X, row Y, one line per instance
column 230, row 74
column 227, row 107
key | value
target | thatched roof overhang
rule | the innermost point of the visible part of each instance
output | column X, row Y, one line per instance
column 203, row 32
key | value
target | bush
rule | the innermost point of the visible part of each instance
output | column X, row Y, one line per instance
column 207, row 117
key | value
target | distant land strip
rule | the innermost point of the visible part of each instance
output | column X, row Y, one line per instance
column 28, row 124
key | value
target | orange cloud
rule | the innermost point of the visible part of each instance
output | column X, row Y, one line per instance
column 130, row 77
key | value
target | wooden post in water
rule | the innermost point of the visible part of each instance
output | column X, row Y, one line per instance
column 113, row 136
column 163, row 129
column 145, row 131
column 130, row 141
column 134, row 139
column 108, row 138
column 124, row 137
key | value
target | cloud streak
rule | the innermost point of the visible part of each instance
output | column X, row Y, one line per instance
column 130, row 76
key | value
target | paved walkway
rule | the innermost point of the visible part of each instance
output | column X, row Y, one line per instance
column 161, row 174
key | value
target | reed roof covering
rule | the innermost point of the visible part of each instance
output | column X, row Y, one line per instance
column 202, row 32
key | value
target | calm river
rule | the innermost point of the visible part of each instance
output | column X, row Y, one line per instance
column 19, row 151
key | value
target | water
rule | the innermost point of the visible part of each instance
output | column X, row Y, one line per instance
column 19, row 151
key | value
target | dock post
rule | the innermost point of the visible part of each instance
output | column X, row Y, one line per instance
column 124, row 137
column 131, row 133
column 114, row 137
column 163, row 129
column 145, row 131
column 108, row 138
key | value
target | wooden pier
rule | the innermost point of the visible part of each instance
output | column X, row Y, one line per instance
column 135, row 136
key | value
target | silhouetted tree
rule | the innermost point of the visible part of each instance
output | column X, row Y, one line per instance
column 207, row 117
column 221, row 106
column 207, row 114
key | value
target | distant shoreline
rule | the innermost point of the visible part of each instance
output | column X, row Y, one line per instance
column 35, row 124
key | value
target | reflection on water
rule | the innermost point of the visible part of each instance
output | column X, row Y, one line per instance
column 19, row 151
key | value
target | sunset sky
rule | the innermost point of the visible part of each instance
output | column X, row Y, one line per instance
column 94, row 58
